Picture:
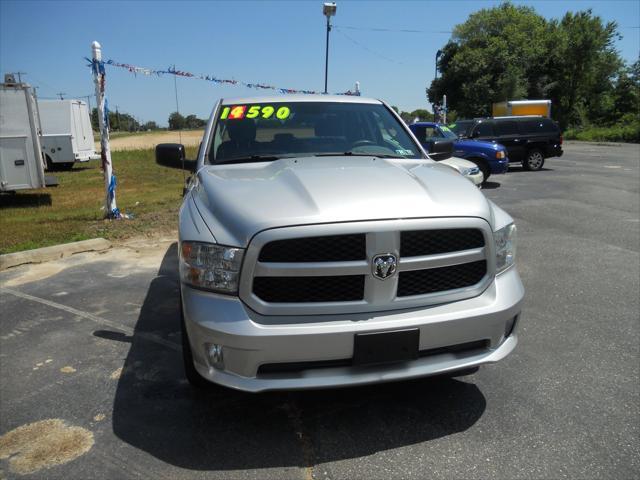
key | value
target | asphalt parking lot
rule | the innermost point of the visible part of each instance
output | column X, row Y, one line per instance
column 91, row 343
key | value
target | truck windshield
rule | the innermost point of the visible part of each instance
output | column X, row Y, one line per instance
column 273, row 130
column 461, row 128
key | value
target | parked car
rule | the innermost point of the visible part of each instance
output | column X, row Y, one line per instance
column 467, row 169
column 319, row 246
column 491, row 158
column 529, row 139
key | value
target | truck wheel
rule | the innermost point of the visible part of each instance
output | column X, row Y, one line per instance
column 193, row 377
column 482, row 165
column 534, row 160
column 66, row 166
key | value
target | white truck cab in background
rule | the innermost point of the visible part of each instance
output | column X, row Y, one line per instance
column 21, row 161
column 67, row 136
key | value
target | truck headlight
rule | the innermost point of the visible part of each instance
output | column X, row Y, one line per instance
column 500, row 154
column 505, row 239
column 210, row 267
column 469, row 171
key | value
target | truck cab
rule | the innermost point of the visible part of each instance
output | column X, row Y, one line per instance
column 490, row 157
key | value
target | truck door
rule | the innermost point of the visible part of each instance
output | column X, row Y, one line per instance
column 509, row 136
column 14, row 164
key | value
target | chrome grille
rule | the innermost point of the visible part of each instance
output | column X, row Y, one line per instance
column 327, row 269
column 420, row 282
column 431, row 242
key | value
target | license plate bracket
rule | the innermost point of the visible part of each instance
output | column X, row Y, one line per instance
column 385, row 347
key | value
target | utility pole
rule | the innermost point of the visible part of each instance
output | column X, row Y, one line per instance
column 19, row 74
column 435, row 76
column 329, row 10
column 444, row 109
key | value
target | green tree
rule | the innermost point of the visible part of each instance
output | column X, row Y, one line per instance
column 176, row 121
column 495, row 55
column 421, row 114
column 584, row 63
column 510, row 52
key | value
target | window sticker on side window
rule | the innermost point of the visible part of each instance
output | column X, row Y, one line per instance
column 402, row 151
column 238, row 112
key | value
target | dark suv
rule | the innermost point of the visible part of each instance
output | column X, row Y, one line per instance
column 528, row 139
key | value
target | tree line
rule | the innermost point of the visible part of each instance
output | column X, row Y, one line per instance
column 510, row 52
column 125, row 122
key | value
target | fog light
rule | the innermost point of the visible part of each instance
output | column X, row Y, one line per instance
column 215, row 355
column 510, row 326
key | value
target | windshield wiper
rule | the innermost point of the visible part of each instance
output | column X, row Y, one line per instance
column 356, row 154
column 249, row 159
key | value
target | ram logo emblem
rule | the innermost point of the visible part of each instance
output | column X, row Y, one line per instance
column 384, row 265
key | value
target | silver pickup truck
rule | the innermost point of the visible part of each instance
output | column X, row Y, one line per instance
column 321, row 247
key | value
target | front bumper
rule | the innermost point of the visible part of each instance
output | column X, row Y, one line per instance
column 499, row 165
column 250, row 340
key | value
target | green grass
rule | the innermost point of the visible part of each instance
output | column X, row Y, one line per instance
column 72, row 210
column 626, row 132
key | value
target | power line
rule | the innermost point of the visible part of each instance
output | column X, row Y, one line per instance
column 398, row 30
column 373, row 52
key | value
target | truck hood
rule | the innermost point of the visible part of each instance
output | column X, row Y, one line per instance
column 238, row 201
column 477, row 144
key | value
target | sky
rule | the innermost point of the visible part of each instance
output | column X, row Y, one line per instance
column 278, row 43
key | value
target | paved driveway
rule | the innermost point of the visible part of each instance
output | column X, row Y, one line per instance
column 91, row 344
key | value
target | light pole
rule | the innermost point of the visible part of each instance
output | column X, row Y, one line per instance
column 435, row 75
column 329, row 10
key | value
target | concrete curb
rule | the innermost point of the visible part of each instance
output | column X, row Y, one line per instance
column 55, row 252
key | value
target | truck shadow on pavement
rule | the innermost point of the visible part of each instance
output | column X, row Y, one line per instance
column 155, row 410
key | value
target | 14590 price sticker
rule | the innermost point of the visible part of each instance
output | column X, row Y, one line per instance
column 237, row 112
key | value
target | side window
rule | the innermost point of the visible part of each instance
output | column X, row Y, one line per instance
column 432, row 133
column 529, row 127
column 507, row 128
column 484, row 129
column 548, row 126
column 419, row 132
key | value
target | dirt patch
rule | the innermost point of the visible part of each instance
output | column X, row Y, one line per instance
column 189, row 138
column 68, row 369
column 128, row 257
column 43, row 444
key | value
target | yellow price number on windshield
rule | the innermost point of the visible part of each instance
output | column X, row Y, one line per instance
column 238, row 112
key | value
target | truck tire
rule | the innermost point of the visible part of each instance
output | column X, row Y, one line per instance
column 534, row 160
column 193, row 377
column 483, row 166
column 66, row 166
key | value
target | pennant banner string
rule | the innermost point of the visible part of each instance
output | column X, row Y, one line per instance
column 99, row 67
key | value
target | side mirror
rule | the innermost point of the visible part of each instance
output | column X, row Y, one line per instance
column 440, row 149
column 173, row 155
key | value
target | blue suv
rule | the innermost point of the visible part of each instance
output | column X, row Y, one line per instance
column 488, row 156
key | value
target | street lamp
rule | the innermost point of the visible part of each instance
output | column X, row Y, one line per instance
column 329, row 10
column 435, row 75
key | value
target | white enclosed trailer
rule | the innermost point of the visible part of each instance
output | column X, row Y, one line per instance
column 67, row 136
column 21, row 162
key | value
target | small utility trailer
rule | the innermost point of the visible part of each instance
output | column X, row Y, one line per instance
column 21, row 161
column 67, row 136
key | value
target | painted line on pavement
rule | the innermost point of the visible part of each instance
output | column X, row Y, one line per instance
column 151, row 337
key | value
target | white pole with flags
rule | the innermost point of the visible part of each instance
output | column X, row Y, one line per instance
column 111, row 210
